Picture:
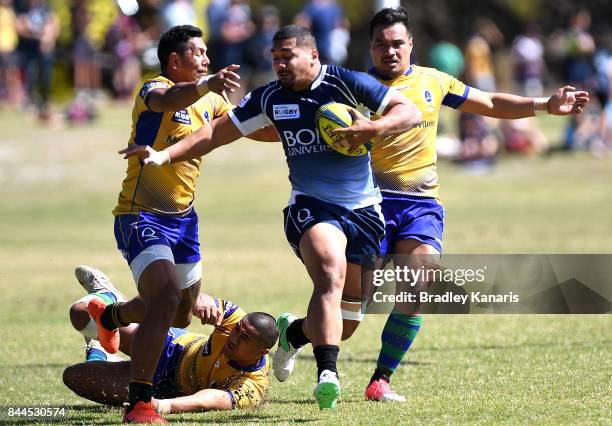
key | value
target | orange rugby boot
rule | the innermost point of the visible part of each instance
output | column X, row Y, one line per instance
column 109, row 339
column 143, row 412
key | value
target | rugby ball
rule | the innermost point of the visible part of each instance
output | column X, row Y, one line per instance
column 333, row 116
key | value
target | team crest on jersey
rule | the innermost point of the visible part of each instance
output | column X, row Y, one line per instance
column 207, row 116
column 286, row 111
column 428, row 97
column 182, row 117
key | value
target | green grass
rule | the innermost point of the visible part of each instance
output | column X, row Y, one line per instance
column 59, row 186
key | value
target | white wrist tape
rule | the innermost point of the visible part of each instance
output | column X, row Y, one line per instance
column 159, row 158
column 540, row 106
column 163, row 406
column 202, row 85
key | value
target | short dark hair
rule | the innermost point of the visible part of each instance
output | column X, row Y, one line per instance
column 302, row 35
column 265, row 324
column 175, row 40
column 389, row 16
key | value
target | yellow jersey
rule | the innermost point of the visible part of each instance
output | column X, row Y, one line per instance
column 8, row 30
column 204, row 366
column 168, row 189
column 407, row 163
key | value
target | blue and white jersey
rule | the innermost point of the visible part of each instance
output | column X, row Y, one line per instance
column 315, row 169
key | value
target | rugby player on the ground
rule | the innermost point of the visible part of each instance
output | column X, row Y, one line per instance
column 333, row 221
column 228, row 369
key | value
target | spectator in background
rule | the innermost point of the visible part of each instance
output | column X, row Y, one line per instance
column 478, row 60
column 87, row 76
column 215, row 14
column 603, row 69
column 528, row 56
column 523, row 136
column 479, row 144
column 124, row 42
column 230, row 35
column 38, row 29
column 326, row 20
column 258, row 56
column 9, row 71
column 447, row 57
column 580, row 46
column 176, row 12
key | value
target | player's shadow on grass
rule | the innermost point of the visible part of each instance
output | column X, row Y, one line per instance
column 351, row 359
column 27, row 366
column 253, row 416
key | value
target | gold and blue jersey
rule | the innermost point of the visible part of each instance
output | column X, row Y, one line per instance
column 407, row 163
column 168, row 189
column 204, row 366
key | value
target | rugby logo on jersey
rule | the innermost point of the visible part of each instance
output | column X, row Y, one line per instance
column 428, row 97
column 286, row 111
column 182, row 117
column 207, row 116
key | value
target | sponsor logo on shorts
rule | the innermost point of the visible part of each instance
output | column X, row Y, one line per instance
column 286, row 111
column 182, row 117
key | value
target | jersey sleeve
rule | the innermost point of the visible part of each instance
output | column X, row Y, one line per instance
column 249, row 116
column 455, row 91
column 232, row 314
column 221, row 107
column 150, row 86
column 367, row 90
column 246, row 393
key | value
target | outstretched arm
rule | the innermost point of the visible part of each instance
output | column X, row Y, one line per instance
column 206, row 399
column 564, row 101
column 222, row 132
column 181, row 95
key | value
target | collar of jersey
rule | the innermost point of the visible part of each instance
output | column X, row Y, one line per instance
column 248, row 368
column 317, row 81
column 373, row 72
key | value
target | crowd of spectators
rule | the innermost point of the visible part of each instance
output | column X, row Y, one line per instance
column 101, row 48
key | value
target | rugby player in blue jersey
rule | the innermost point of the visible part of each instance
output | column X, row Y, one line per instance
column 333, row 220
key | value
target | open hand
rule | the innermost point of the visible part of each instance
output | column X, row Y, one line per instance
column 566, row 100
column 225, row 80
column 206, row 309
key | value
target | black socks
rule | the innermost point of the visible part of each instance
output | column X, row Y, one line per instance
column 295, row 334
column 326, row 356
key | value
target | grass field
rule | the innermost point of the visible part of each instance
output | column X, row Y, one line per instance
column 58, row 189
